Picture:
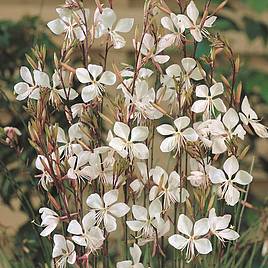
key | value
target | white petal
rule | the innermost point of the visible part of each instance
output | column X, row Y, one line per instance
column 231, row 166
column 89, row 93
column 203, row 245
column 108, row 78
column 60, row 243
column 26, row 75
column 139, row 134
column 88, row 220
column 167, row 23
column 48, row 230
column 168, row 144
column 201, row 227
column 190, row 134
column 95, row 70
column 139, row 212
column 185, row 21
column 188, row 64
column 122, row 130
column 165, row 129
column 94, row 201
column 177, row 241
column 124, row 25
column 68, row 93
column 216, row 175
column 182, row 122
column 109, row 223
column 108, row 17
column 135, row 253
column 192, row 12
column 230, row 119
column 228, row 234
column 75, row 228
column 219, row 105
column 119, row 145
column 57, row 26
column 196, row 33
column 199, row 106
column 216, row 89
column 72, row 257
column 242, row 177
column 202, row 91
column 155, row 208
column 79, row 240
column 83, row 75
column 135, row 226
column 140, row 151
column 124, row 264
column 41, row 79
column 161, row 58
column 110, row 197
column 119, row 209
column 185, row 225
column 209, row 22
column 232, row 195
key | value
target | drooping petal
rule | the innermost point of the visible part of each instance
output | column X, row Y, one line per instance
column 185, row 225
column 177, row 241
column 203, row 245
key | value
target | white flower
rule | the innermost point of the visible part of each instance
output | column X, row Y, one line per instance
column 227, row 182
column 41, row 163
column 167, row 186
column 129, row 143
column 176, row 34
column 78, row 169
column 135, row 253
column 97, row 80
column 138, row 184
column 105, row 25
column 50, row 220
column 249, row 117
column 87, row 235
column 210, row 102
column 70, row 22
column 194, row 237
column 219, row 226
column 31, row 85
column 149, row 50
column 190, row 22
column 179, row 136
column 64, row 249
column 107, row 210
column 198, row 175
column 145, row 221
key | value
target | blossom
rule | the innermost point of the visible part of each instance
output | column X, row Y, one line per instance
column 105, row 25
column 135, row 253
column 219, row 226
column 70, row 22
column 50, row 220
column 210, row 102
column 194, row 237
column 107, row 210
column 96, row 78
column 190, row 22
column 30, row 88
column 145, row 221
column 167, row 186
column 64, row 249
column 249, row 117
column 176, row 27
column 87, row 235
column 78, row 168
column 149, row 50
column 128, row 142
column 228, row 179
column 177, row 137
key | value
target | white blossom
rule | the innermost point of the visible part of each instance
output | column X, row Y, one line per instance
column 50, row 220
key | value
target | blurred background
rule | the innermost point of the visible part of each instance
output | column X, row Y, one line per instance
column 244, row 23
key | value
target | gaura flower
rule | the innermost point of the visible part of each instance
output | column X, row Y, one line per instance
column 249, row 117
column 105, row 25
column 177, row 137
column 219, row 226
column 167, row 186
column 70, row 22
column 64, row 249
column 94, row 76
column 107, row 210
column 190, row 22
column 145, row 221
column 135, row 253
column 30, row 88
column 50, row 220
column 149, row 50
column 210, row 101
column 227, row 179
column 128, row 142
column 194, row 239
column 87, row 235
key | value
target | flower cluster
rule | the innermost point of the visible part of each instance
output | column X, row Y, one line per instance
column 123, row 125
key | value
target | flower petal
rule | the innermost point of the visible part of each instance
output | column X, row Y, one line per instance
column 56, row 26
column 242, row 177
column 203, row 245
column 177, row 241
column 201, row 227
column 119, row 209
column 94, row 201
column 165, row 129
column 185, row 225
column 122, row 130
column 110, row 197
column 74, row 228
column 231, row 166
column 182, row 122
column 192, row 12
column 139, row 133
column 83, row 75
column 124, row 25
column 140, row 151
